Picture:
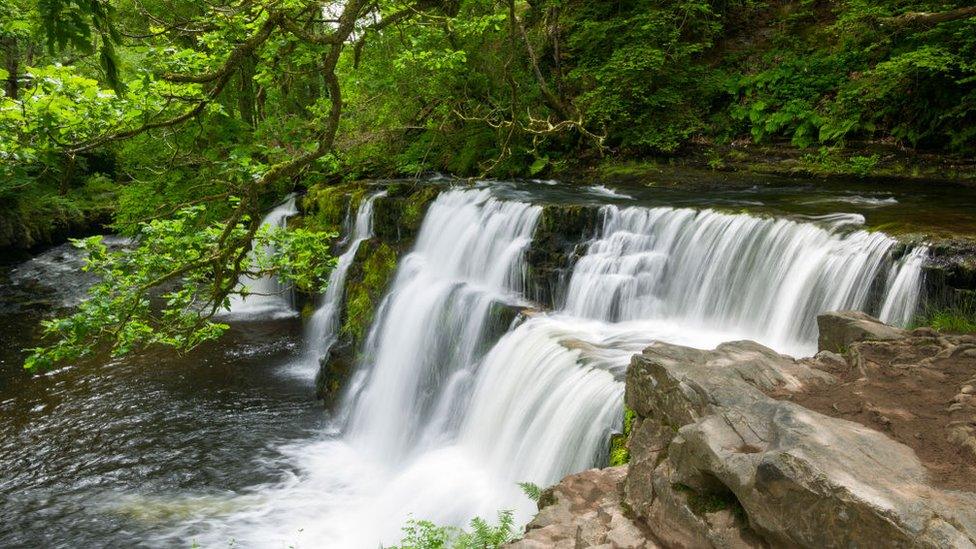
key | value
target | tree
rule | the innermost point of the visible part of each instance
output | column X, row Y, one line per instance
column 202, row 255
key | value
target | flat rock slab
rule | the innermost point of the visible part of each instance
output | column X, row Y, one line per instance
column 585, row 510
column 919, row 389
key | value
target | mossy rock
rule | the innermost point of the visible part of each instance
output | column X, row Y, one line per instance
column 556, row 248
column 398, row 216
column 619, row 449
column 369, row 275
column 334, row 370
column 326, row 207
column 704, row 502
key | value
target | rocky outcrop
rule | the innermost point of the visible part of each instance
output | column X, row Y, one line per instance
column 21, row 230
column 723, row 454
column 839, row 330
column 917, row 389
column 585, row 510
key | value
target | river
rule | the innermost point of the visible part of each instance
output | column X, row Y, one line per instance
column 450, row 406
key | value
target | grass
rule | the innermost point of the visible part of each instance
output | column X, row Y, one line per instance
column 952, row 321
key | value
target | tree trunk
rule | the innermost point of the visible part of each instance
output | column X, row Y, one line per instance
column 11, row 63
column 246, row 100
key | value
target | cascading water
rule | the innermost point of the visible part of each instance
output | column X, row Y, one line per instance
column 447, row 413
column 904, row 283
column 467, row 261
column 323, row 326
column 266, row 296
column 766, row 279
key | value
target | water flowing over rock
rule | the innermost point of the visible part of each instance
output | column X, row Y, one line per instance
column 459, row 394
column 267, row 297
column 323, row 326
column 717, row 461
column 764, row 278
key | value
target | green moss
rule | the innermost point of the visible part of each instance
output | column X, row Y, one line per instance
column 416, row 205
column 308, row 310
column 367, row 281
column 41, row 215
column 398, row 217
column 326, row 206
column 619, row 453
column 628, row 170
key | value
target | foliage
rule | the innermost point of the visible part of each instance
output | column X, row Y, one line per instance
column 532, row 491
column 172, row 103
column 619, row 452
column 959, row 319
column 423, row 534
column 121, row 316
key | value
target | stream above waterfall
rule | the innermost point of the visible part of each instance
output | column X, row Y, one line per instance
column 451, row 403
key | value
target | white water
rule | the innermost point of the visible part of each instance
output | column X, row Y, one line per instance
column 323, row 327
column 266, row 296
column 857, row 200
column 444, row 417
column 902, row 289
column 766, row 279
column 603, row 190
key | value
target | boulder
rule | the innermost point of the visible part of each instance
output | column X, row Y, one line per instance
column 585, row 510
column 717, row 462
column 838, row 330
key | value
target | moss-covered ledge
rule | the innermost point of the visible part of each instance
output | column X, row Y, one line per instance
column 397, row 217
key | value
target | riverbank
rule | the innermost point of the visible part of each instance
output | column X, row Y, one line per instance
column 48, row 218
column 740, row 446
column 880, row 163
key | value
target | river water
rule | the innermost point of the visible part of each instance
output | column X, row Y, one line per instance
column 451, row 405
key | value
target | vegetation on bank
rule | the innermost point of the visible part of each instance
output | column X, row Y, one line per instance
column 481, row 534
column 156, row 105
column 424, row 534
column 952, row 320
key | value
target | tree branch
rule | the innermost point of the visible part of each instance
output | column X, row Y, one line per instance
column 929, row 19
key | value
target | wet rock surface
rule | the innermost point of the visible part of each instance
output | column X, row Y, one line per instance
column 744, row 447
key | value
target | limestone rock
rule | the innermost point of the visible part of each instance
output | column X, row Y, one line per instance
column 838, row 330
column 585, row 510
column 718, row 463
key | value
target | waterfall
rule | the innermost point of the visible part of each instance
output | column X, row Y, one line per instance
column 467, row 261
column 267, row 298
column 766, row 279
column 454, row 402
column 323, row 326
column 904, row 285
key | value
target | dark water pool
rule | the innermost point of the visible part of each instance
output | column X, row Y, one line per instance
column 91, row 455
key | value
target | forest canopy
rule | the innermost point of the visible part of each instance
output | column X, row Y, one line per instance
column 182, row 121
